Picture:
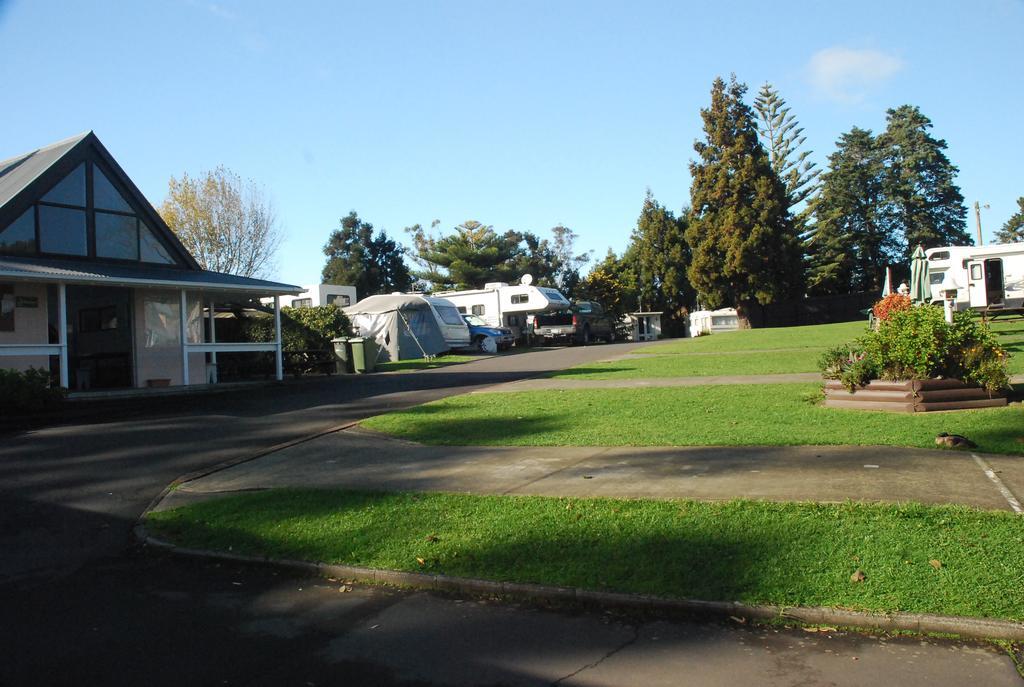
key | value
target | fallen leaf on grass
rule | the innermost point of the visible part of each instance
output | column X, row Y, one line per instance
column 858, row 576
column 741, row 621
column 432, row 537
column 823, row 628
column 935, row 564
column 420, row 561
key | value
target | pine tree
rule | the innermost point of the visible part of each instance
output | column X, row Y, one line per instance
column 852, row 244
column 1013, row 230
column 923, row 202
column 372, row 263
column 662, row 256
column 744, row 244
column 782, row 135
column 471, row 256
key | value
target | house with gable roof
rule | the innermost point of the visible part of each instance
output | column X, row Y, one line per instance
column 97, row 289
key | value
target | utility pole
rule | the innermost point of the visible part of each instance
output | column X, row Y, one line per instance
column 977, row 216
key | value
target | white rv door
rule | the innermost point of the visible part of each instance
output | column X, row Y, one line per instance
column 976, row 284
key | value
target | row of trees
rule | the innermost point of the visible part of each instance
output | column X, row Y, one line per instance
column 764, row 224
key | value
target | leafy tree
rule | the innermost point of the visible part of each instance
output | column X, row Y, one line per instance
column 782, row 136
column 612, row 283
column 852, row 243
column 745, row 247
column 226, row 223
column 567, row 272
column 1013, row 230
column 922, row 201
column 373, row 263
column 661, row 258
column 468, row 258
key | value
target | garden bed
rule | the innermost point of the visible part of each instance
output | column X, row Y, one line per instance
column 911, row 396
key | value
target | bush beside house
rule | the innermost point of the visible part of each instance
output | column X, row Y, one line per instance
column 26, row 392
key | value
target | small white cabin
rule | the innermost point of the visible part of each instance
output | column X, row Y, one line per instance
column 712, row 321
column 981, row 277
column 322, row 294
column 505, row 305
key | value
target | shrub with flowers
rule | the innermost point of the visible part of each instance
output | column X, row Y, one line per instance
column 918, row 343
column 894, row 302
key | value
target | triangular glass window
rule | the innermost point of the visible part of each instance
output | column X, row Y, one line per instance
column 19, row 238
column 150, row 247
column 70, row 190
column 104, row 195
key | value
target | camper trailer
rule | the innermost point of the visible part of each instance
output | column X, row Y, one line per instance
column 989, row 278
column 503, row 305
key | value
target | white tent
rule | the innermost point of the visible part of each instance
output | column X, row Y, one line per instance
column 403, row 326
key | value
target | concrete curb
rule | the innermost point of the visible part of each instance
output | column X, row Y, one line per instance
column 973, row 628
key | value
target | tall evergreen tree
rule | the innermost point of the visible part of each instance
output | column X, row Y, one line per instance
column 1013, row 230
column 467, row 258
column 782, row 135
column 662, row 256
column 612, row 283
column 852, row 243
column 745, row 247
column 567, row 274
column 923, row 202
column 372, row 263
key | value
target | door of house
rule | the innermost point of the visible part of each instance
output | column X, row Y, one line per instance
column 100, row 350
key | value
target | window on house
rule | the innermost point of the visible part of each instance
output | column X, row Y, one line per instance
column 105, row 196
column 62, row 231
column 19, row 238
column 479, row 310
column 117, row 236
column 7, row 303
column 150, row 247
column 70, row 190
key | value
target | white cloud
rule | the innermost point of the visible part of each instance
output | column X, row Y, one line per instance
column 847, row 76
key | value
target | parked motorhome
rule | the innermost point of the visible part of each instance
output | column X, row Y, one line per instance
column 987, row 278
column 504, row 305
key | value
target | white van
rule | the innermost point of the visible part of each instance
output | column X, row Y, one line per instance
column 987, row 278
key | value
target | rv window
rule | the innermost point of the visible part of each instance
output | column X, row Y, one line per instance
column 518, row 298
column 936, row 277
column 479, row 310
column 975, row 271
column 339, row 300
column 462, row 309
column 449, row 315
column 939, row 255
column 302, row 303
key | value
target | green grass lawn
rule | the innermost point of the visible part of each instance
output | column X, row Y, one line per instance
column 755, row 552
column 728, row 415
column 421, row 364
column 755, row 351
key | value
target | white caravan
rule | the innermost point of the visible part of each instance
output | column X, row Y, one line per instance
column 503, row 305
column 987, row 278
column 449, row 319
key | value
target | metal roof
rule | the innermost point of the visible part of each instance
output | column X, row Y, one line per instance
column 99, row 273
column 18, row 172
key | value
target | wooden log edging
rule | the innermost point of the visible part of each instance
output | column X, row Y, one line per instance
column 911, row 396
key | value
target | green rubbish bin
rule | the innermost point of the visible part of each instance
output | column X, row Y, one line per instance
column 370, row 353
column 342, row 355
column 358, row 354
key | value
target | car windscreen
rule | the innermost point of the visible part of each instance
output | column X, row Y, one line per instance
column 474, row 320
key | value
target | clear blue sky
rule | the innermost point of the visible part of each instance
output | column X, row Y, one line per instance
column 519, row 114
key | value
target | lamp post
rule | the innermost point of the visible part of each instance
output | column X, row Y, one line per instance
column 977, row 216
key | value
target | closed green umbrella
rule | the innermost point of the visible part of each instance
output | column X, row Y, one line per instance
column 920, row 289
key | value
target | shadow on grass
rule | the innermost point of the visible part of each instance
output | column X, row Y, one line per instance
column 587, row 370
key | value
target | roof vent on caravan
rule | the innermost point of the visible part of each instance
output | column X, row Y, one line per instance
column 495, row 284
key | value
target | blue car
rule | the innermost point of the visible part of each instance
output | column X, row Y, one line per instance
column 487, row 338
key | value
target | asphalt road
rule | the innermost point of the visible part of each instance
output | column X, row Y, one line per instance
column 80, row 603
